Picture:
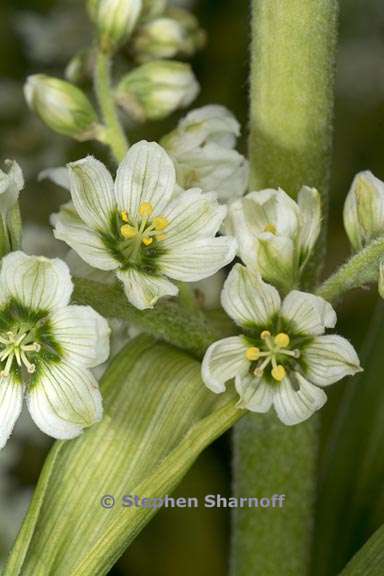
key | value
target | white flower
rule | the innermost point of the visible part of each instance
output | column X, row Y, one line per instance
column 283, row 359
column 202, row 150
column 135, row 227
column 275, row 234
column 47, row 348
column 364, row 209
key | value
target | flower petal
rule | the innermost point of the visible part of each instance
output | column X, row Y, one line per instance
column 277, row 260
column 213, row 167
column 248, row 300
column 82, row 334
column 144, row 290
column 198, row 259
column 36, row 282
column 308, row 313
column 64, row 400
column 11, row 403
column 146, row 174
column 329, row 359
column 309, row 202
column 192, row 215
column 256, row 394
column 69, row 228
column 236, row 225
column 59, row 176
column 92, row 192
column 269, row 206
column 11, row 183
column 223, row 361
column 294, row 406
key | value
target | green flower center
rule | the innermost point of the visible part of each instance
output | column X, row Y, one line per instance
column 275, row 349
column 25, row 340
column 17, row 347
column 137, row 241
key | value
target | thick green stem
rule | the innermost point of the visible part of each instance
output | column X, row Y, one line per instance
column 114, row 135
column 292, row 78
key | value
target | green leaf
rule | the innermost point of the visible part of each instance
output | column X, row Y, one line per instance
column 369, row 561
column 158, row 418
column 351, row 496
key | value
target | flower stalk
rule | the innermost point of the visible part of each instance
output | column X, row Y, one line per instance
column 114, row 134
column 292, row 79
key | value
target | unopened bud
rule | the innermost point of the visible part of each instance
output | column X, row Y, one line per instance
column 115, row 20
column 62, row 106
column 176, row 34
column 79, row 69
column 364, row 210
column 156, row 89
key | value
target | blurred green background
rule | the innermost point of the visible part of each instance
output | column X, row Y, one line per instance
column 41, row 36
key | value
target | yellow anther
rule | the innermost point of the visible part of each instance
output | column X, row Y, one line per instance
column 145, row 209
column 282, row 340
column 124, row 216
column 147, row 240
column 270, row 228
column 128, row 231
column 161, row 236
column 265, row 334
column 252, row 353
column 278, row 373
column 160, row 222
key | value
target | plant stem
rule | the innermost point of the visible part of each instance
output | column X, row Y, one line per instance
column 114, row 135
column 361, row 269
column 169, row 320
column 292, row 79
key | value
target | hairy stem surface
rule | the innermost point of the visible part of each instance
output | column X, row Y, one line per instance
column 292, row 79
column 114, row 135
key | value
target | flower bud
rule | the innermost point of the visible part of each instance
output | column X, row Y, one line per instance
column 80, row 67
column 115, row 20
column 156, row 89
column 364, row 210
column 176, row 34
column 62, row 106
